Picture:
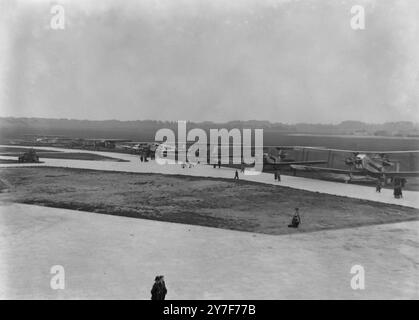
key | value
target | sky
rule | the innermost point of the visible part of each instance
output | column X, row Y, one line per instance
column 210, row 60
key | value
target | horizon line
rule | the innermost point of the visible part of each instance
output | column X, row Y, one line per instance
column 216, row 122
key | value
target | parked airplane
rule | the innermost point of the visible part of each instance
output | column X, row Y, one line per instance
column 277, row 156
column 273, row 156
column 363, row 166
column 147, row 148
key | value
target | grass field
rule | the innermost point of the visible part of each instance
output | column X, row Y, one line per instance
column 16, row 152
column 220, row 203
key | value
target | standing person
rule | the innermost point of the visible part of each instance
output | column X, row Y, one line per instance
column 275, row 175
column 278, row 175
column 159, row 291
column 219, row 164
column 236, row 175
column 378, row 186
column 242, row 168
column 296, row 219
column 397, row 188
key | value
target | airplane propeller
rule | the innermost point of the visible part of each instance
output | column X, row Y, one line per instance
column 350, row 161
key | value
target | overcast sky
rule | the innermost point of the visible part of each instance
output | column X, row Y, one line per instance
column 218, row 60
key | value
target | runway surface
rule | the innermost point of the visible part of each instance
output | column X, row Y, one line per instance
column 411, row 198
column 116, row 257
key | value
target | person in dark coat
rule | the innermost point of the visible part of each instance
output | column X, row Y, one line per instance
column 378, row 186
column 296, row 220
column 278, row 175
column 159, row 291
column 236, row 175
column 398, row 192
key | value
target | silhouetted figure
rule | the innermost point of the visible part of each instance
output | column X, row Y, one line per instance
column 275, row 176
column 378, row 186
column 398, row 193
column 398, row 185
column 219, row 164
column 278, row 175
column 236, row 175
column 159, row 291
column 296, row 220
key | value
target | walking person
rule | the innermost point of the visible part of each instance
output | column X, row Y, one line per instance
column 398, row 192
column 236, row 175
column 296, row 219
column 378, row 186
column 159, row 291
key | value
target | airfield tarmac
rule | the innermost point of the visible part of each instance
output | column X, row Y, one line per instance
column 117, row 257
column 132, row 164
column 109, row 257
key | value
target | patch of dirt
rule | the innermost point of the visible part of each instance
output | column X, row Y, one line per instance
column 213, row 202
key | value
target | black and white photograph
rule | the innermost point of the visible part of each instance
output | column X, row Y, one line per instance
column 189, row 150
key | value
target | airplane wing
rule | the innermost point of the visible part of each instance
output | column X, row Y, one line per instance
column 388, row 174
column 400, row 174
column 358, row 151
column 291, row 163
column 319, row 169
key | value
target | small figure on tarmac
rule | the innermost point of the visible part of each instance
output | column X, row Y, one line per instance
column 278, row 175
column 159, row 291
column 236, row 175
column 398, row 193
column 398, row 186
column 296, row 219
column 378, row 186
